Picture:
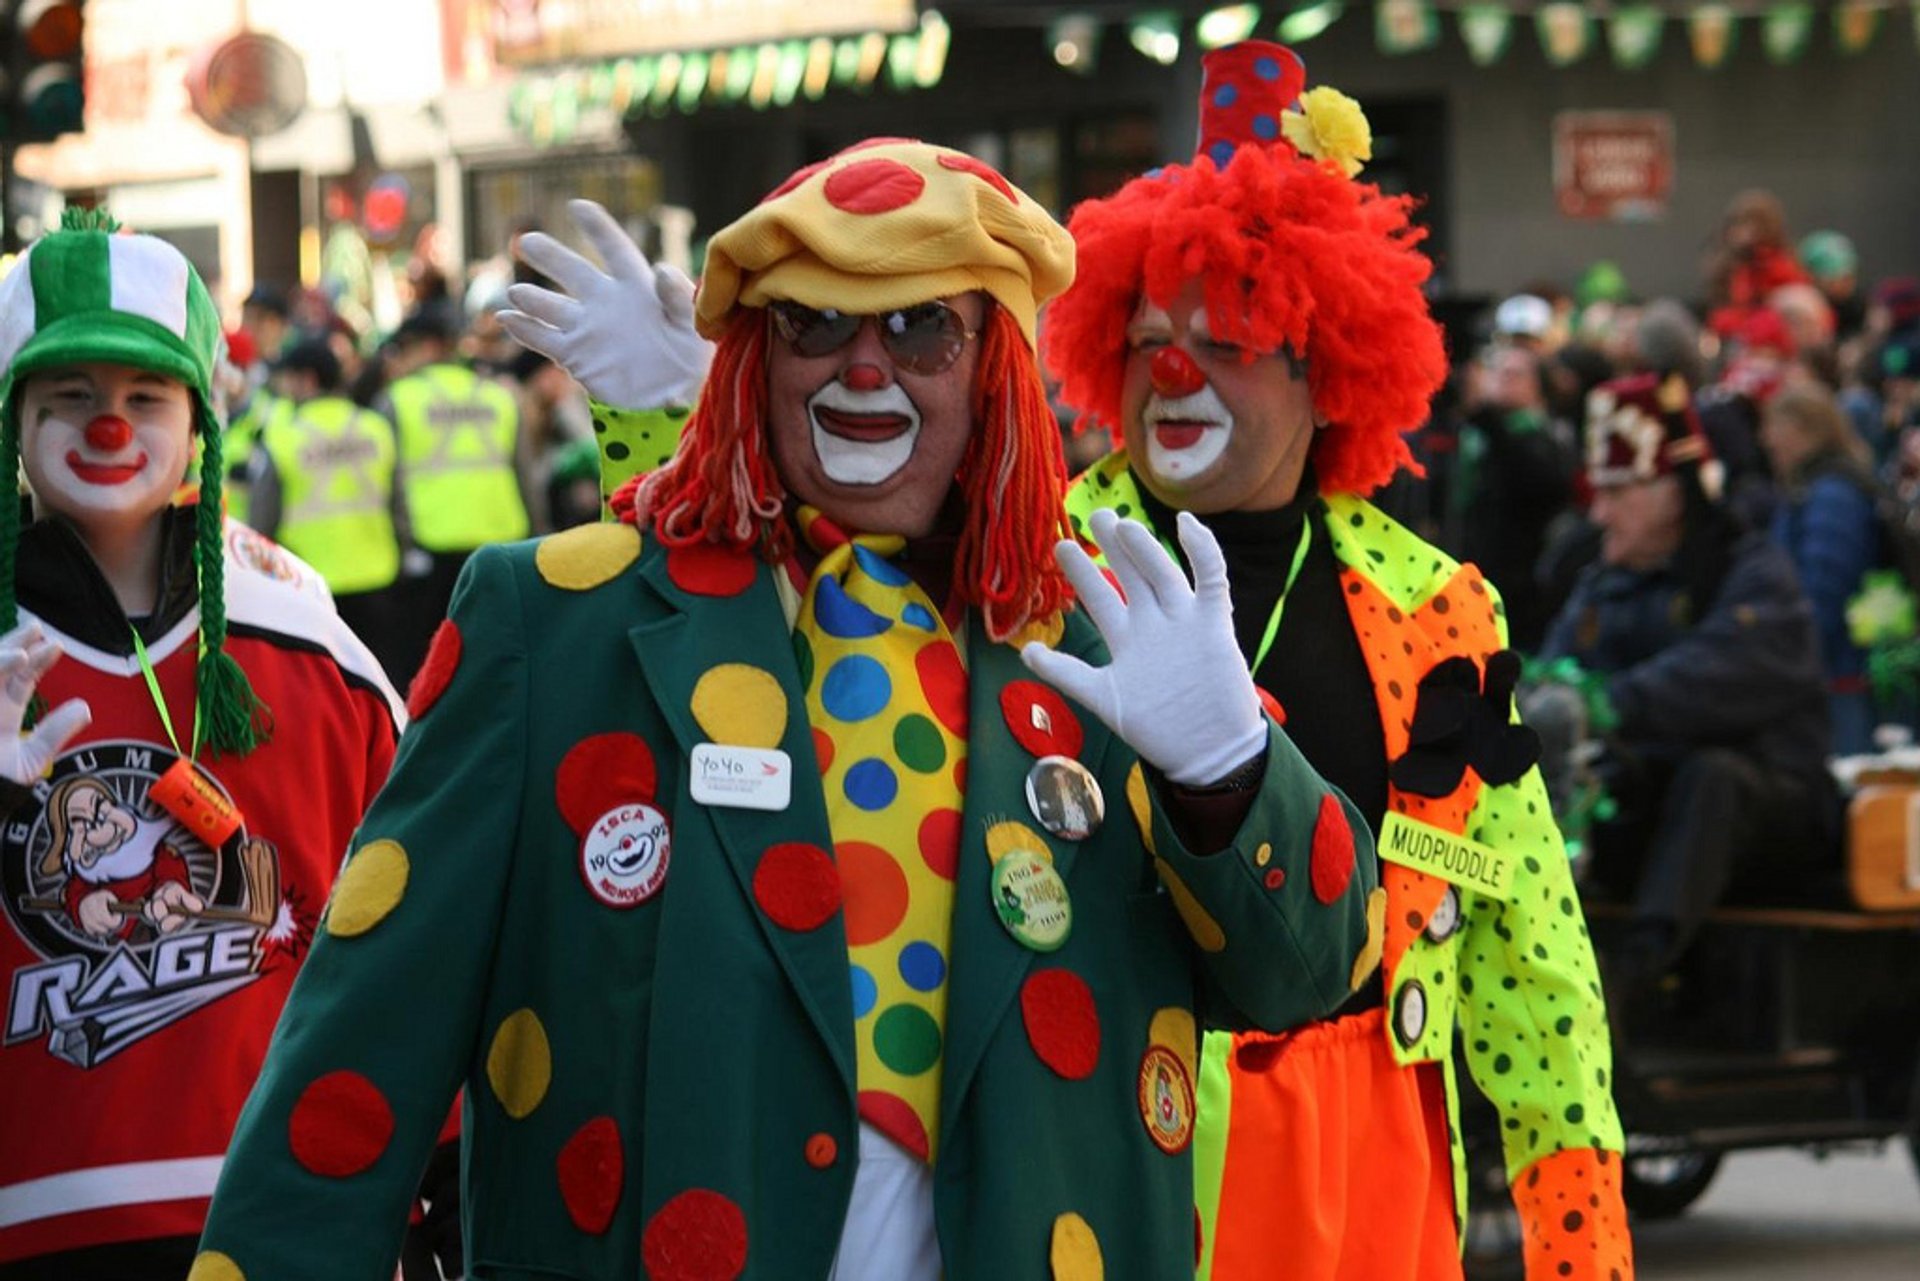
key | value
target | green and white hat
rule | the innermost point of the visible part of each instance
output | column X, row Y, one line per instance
column 86, row 294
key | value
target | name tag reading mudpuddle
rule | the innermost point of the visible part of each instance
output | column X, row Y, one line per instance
column 742, row 778
column 1451, row 857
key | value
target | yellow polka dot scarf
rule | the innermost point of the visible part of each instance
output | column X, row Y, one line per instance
column 887, row 700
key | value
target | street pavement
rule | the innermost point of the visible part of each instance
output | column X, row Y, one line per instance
column 1852, row 1217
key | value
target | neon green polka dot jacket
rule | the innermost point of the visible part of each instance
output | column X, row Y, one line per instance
column 647, row 998
column 1508, row 964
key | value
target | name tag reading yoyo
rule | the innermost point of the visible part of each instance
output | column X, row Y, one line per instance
column 1064, row 795
column 745, row 778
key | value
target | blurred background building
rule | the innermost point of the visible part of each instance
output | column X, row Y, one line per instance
column 362, row 142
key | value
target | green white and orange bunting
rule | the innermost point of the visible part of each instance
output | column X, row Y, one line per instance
column 1565, row 29
column 1784, row 32
column 1405, row 26
column 1633, row 34
column 1486, row 29
column 1855, row 22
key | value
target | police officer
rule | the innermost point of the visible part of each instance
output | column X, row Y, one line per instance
column 458, row 464
column 324, row 484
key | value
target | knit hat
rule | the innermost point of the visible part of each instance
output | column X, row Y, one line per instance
column 887, row 223
column 1641, row 428
column 85, row 294
column 1828, row 255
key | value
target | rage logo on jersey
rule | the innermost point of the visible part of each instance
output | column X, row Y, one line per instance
column 139, row 921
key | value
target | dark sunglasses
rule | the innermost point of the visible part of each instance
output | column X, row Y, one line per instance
column 925, row 338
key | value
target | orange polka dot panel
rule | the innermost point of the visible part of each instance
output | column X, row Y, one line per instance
column 886, row 697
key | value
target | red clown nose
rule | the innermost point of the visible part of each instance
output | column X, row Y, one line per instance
column 1174, row 374
column 109, row 433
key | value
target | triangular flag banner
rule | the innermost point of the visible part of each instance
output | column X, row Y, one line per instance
column 1485, row 29
column 1855, row 23
column 1403, row 26
column 1713, row 33
column 1784, row 31
column 1633, row 33
column 1565, row 31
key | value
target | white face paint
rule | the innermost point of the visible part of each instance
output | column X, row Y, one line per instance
column 109, row 474
column 862, row 437
column 1187, row 435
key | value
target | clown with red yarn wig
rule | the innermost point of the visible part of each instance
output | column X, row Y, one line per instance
column 811, row 888
column 1251, row 326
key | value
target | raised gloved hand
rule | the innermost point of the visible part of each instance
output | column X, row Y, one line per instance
column 1177, row 689
column 625, row 334
column 25, row 656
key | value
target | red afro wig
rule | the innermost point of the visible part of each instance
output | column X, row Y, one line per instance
column 721, row 486
column 1292, row 254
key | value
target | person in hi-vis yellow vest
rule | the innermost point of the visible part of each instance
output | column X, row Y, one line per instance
column 460, row 465
column 323, row 483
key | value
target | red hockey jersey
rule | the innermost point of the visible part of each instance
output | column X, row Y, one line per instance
column 130, row 1046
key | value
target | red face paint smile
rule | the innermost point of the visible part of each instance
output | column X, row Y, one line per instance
column 109, row 433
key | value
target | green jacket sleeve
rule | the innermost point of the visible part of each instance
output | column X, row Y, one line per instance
column 383, row 1021
column 1281, row 912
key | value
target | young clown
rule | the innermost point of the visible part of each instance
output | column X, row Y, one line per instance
column 753, row 949
column 173, row 823
column 1252, row 324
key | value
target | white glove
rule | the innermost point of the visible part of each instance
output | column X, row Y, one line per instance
column 625, row 334
column 25, row 656
column 1177, row 690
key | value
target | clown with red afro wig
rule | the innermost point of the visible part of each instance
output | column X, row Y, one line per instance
column 1292, row 254
column 1252, row 326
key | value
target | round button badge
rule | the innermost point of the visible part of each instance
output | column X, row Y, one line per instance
column 624, row 855
column 1064, row 795
column 1031, row 900
column 1166, row 1099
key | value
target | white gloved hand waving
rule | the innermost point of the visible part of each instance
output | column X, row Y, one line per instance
column 1176, row 689
column 625, row 334
column 25, row 656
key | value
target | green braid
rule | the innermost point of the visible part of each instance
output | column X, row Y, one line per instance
column 235, row 719
column 9, row 513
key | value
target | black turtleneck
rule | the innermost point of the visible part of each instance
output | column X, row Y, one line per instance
column 57, row 579
column 1315, row 667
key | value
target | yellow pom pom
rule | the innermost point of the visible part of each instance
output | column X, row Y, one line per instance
column 1330, row 126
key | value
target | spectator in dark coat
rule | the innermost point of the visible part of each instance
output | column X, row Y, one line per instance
column 1718, row 764
column 1824, row 521
column 1507, row 473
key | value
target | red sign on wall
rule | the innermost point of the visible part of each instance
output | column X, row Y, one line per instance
column 1616, row 165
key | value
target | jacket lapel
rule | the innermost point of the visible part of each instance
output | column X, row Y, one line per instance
column 988, row 965
column 680, row 637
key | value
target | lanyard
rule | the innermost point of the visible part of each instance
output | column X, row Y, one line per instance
column 160, row 700
column 1280, row 606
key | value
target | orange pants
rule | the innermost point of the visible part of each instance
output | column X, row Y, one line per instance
column 1337, row 1165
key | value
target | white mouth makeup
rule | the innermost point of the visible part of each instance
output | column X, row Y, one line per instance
column 1186, row 436
column 862, row 437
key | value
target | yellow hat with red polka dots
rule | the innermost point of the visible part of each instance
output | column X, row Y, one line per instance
column 887, row 223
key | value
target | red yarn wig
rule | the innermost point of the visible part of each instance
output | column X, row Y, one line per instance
column 721, row 487
column 1291, row 254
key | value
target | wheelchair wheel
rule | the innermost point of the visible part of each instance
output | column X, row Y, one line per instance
column 1661, row 1185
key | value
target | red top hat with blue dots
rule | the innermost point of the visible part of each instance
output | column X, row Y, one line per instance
column 1244, row 89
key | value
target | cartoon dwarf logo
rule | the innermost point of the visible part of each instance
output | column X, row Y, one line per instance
column 139, row 921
